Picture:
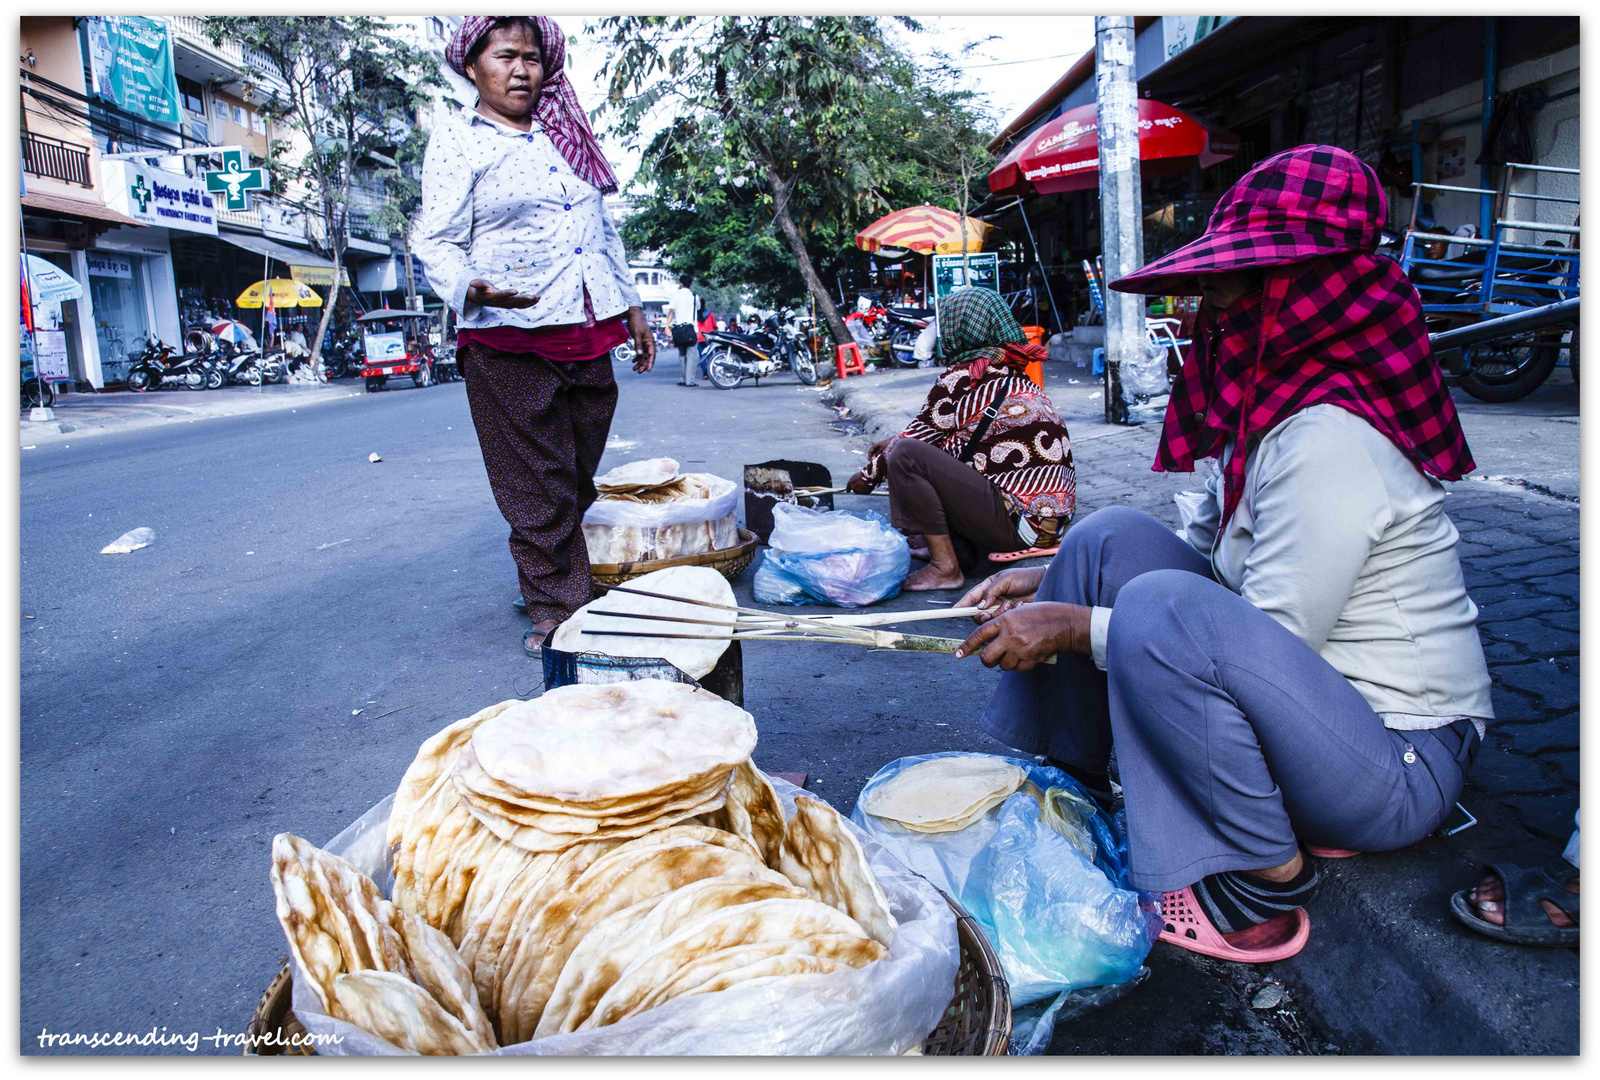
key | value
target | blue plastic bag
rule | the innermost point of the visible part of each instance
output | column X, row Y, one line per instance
column 847, row 558
column 1058, row 908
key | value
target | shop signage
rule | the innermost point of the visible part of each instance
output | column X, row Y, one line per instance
column 131, row 58
column 50, row 354
column 382, row 348
column 952, row 272
column 234, row 182
column 157, row 197
column 112, row 266
column 318, row 275
column 1183, row 32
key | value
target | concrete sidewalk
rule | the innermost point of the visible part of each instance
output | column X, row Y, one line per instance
column 1388, row 969
column 82, row 415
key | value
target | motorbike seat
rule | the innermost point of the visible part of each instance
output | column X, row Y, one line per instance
column 907, row 311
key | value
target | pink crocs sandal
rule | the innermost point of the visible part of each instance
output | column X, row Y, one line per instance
column 1187, row 927
column 1025, row 553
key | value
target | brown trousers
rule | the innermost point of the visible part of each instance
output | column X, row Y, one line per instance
column 932, row 492
column 542, row 427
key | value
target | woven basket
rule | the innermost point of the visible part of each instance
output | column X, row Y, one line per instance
column 977, row 1022
column 729, row 562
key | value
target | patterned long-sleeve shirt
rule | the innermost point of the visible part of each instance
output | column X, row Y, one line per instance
column 1025, row 452
column 503, row 205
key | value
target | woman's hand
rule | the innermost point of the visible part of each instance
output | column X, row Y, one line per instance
column 483, row 294
column 1002, row 592
column 1025, row 637
column 644, row 342
column 859, row 484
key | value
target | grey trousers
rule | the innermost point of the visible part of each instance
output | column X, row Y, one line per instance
column 1235, row 741
column 690, row 358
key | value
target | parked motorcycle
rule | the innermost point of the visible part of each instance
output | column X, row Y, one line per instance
column 241, row 364
column 783, row 341
column 906, row 324
column 155, row 368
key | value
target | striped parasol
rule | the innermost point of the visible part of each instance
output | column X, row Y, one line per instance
column 928, row 229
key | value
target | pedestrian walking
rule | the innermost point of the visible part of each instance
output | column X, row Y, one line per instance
column 986, row 465
column 1300, row 665
column 514, row 234
column 685, row 337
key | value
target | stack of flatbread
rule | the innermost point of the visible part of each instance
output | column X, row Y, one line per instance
column 603, row 850
column 378, row 968
column 656, row 482
column 945, row 794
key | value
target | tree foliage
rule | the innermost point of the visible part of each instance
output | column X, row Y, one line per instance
column 788, row 135
column 352, row 91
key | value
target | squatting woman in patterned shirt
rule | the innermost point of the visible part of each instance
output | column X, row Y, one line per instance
column 986, row 465
column 514, row 235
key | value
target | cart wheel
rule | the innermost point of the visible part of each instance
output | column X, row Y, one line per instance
column 1508, row 371
column 1572, row 355
column 375, row 383
column 39, row 394
column 423, row 376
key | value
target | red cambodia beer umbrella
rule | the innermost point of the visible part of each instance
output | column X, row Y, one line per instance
column 1064, row 154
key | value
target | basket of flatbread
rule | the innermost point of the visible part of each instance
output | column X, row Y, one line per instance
column 648, row 515
column 602, row 870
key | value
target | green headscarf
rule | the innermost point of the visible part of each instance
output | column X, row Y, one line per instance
column 976, row 327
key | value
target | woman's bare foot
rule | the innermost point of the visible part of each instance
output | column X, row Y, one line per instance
column 533, row 640
column 933, row 576
column 1488, row 901
column 943, row 570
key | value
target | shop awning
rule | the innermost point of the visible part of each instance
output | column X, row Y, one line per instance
column 1064, row 155
column 284, row 253
column 60, row 204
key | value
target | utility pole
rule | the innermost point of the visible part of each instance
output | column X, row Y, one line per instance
column 1121, row 220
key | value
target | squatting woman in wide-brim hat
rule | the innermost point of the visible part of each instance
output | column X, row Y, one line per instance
column 1298, row 669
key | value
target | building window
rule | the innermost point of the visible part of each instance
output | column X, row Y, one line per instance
column 258, row 123
column 438, row 26
column 193, row 96
column 238, row 115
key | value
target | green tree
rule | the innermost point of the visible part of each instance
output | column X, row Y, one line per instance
column 353, row 89
column 783, row 105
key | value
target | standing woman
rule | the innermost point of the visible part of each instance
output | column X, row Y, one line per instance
column 515, row 236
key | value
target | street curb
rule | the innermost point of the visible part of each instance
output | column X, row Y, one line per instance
column 142, row 417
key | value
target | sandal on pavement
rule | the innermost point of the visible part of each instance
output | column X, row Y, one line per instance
column 519, row 605
column 1526, row 920
column 533, row 640
column 1187, row 927
column 1025, row 553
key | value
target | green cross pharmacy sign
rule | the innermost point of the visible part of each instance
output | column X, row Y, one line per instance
column 234, row 180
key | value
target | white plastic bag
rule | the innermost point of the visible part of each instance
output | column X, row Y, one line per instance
column 1060, row 920
column 618, row 531
column 887, row 1007
column 843, row 557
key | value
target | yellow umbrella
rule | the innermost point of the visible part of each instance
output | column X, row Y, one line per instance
column 285, row 293
column 928, row 229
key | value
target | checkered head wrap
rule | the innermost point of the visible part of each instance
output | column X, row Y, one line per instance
column 557, row 109
column 1333, row 323
column 977, row 328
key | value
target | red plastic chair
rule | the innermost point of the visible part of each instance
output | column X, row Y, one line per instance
column 848, row 359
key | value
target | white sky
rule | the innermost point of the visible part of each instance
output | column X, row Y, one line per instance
column 1028, row 54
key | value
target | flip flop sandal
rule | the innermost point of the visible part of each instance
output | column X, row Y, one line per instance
column 533, row 642
column 1527, row 922
column 1025, row 553
column 1331, row 852
column 1188, row 927
column 519, row 605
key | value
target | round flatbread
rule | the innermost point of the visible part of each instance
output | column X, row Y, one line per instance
column 649, row 473
column 565, row 745
column 693, row 656
column 822, row 855
column 944, row 793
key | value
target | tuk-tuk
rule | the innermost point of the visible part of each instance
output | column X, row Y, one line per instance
column 396, row 343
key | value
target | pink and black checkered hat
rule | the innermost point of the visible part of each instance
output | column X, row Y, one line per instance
column 1299, row 205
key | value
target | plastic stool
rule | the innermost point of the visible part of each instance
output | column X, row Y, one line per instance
column 856, row 365
column 1099, row 367
column 1035, row 373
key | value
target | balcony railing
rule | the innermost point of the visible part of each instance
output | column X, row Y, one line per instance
column 44, row 156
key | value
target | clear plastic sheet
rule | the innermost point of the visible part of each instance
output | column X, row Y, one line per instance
column 1060, row 920
column 618, row 531
column 887, row 1007
column 847, row 558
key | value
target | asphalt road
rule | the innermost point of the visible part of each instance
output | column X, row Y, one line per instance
column 303, row 621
